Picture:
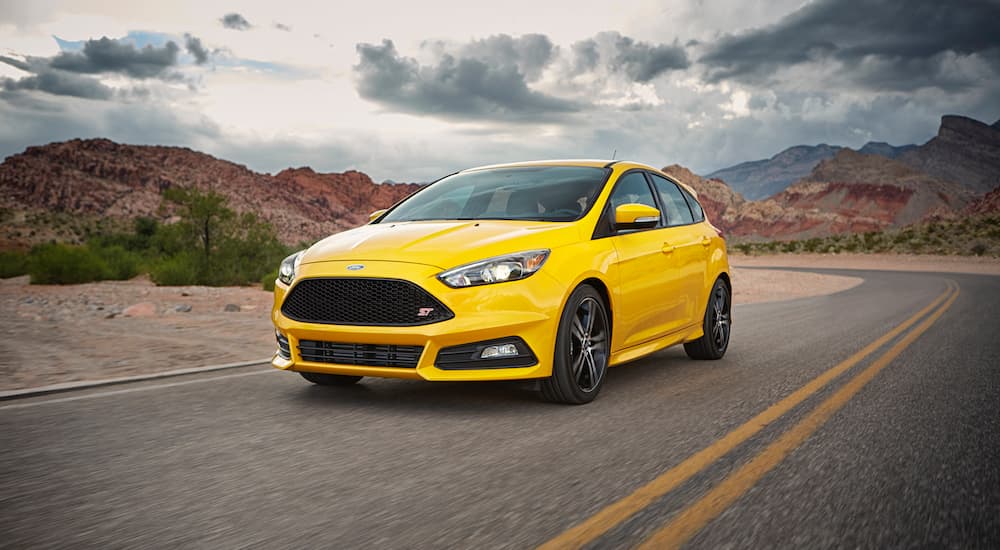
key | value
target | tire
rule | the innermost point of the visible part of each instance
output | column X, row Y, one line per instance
column 583, row 343
column 717, row 325
column 330, row 379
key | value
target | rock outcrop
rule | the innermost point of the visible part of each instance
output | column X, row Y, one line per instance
column 759, row 179
column 964, row 151
column 100, row 179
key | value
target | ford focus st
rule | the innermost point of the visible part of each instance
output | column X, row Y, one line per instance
column 550, row 270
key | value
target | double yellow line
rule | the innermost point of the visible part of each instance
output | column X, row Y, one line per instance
column 695, row 516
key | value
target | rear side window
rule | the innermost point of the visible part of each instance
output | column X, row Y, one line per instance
column 674, row 205
column 696, row 211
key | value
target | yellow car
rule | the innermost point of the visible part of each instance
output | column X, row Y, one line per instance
column 552, row 270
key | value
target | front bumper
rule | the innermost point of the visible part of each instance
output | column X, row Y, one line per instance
column 528, row 309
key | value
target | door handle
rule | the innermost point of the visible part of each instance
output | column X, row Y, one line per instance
column 667, row 248
column 706, row 241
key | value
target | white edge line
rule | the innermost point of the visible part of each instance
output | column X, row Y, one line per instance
column 87, row 384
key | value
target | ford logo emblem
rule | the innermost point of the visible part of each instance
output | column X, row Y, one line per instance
column 355, row 267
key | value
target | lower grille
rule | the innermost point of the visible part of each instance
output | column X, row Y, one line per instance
column 369, row 355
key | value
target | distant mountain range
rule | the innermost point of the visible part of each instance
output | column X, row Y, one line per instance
column 965, row 151
column 66, row 191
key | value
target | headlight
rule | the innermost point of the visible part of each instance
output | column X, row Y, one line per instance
column 289, row 267
column 495, row 270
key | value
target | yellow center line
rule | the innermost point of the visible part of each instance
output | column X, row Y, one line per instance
column 693, row 518
column 619, row 511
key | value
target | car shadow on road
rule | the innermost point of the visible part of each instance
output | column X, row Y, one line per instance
column 669, row 368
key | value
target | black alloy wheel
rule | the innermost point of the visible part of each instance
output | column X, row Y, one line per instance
column 717, row 326
column 582, row 349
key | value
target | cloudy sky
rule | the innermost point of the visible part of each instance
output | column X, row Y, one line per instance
column 410, row 91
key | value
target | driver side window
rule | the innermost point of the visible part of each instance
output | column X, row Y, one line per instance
column 632, row 189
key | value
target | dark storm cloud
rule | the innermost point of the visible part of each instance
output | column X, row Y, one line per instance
column 886, row 44
column 194, row 47
column 235, row 21
column 488, row 83
column 531, row 53
column 61, row 83
column 114, row 56
column 640, row 61
column 52, row 81
column 643, row 61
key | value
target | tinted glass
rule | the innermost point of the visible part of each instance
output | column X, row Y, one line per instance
column 696, row 211
column 674, row 205
column 632, row 189
column 541, row 193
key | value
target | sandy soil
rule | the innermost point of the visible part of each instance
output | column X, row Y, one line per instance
column 54, row 334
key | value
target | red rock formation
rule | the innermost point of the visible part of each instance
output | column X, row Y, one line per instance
column 99, row 178
column 987, row 204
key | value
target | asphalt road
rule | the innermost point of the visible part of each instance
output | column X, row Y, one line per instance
column 899, row 449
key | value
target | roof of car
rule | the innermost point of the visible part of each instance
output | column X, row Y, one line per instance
column 595, row 163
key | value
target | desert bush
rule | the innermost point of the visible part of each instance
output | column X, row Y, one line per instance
column 978, row 248
column 122, row 264
column 61, row 264
column 176, row 270
column 13, row 263
column 267, row 281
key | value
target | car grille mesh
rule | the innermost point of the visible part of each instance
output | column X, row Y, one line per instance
column 371, row 355
column 362, row 301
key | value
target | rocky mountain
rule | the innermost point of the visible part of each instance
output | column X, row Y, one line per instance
column 848, row 193
column 759, row 179
column 884, row 149
column 987, row 204
column 721, row 203
column 52, row 191
column 858, row 186
column 964, row 151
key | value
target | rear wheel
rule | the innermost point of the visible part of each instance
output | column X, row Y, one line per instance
column 717, row 326
column 330, row 379
column 581, row 355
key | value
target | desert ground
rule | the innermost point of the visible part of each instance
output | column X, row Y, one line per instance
column 57, row 334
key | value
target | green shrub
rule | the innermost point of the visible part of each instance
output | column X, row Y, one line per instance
column 177, row 270
column 979, row 248
column 13, row 263
column 122, row 264
column 267, row 281
column 61, row 264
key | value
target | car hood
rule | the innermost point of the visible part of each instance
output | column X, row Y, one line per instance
column 443, row 244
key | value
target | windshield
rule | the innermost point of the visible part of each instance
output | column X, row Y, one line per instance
column 540, row 193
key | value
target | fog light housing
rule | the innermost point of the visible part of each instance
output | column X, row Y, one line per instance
column 500, row 350
column 284, row 349
column 502, row 353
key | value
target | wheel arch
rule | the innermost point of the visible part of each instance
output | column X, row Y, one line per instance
column 602, row 288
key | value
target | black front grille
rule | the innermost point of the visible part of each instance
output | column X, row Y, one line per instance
column 363, row 301
column 370, row 355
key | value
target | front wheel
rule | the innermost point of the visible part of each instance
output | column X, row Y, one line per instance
column 717, row 326
column 330, row 379
column 580, row 360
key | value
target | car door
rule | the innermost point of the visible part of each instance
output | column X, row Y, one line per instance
column 689, row 245
column 646, row 273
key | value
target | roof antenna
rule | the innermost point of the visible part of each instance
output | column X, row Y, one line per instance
column 614, row 154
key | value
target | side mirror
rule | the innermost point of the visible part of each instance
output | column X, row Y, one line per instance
column 375, row 215
column 636, row 216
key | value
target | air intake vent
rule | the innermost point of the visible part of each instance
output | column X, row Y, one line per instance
column 370, row 355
